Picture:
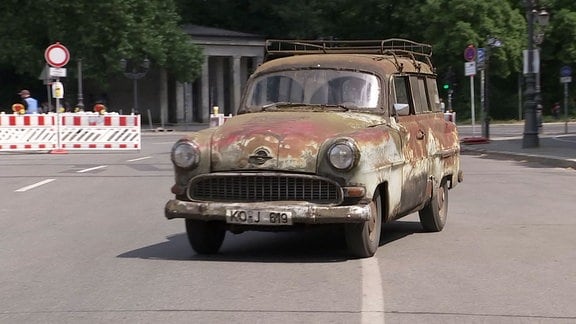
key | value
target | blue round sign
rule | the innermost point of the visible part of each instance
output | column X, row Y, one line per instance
column 565, row 71
column 470, row 53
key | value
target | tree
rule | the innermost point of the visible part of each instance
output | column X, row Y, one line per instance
column 100, row 32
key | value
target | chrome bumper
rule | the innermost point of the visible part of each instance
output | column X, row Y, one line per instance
column 302, row 212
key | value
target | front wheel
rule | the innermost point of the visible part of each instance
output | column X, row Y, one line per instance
column 363, row 239
column 205, row 237
column 433, row 215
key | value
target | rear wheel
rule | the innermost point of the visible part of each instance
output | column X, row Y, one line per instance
column 433, row 215
column 363, row 239
column 205, row 237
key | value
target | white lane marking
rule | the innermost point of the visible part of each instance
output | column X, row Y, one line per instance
column 92, row 169
column 372, row 294
column 560, row 139
column 32, row 186
column 139, row 159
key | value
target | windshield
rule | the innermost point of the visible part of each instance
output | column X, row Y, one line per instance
column 314, row 87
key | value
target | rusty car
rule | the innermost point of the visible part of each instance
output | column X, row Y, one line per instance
column 347, row 133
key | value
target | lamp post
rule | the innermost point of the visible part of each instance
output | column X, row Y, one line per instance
column 530, row 138
column 135, row 71
column 80, row 104
column 491, row 42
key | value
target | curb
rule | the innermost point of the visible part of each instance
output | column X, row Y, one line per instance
column 542, row 159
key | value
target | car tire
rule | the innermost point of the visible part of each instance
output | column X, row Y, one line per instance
column 363, row 239
column 433, row 215
column 205, row 237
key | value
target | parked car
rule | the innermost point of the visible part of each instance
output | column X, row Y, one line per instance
column 348, row 133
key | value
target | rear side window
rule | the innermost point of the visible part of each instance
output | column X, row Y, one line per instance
column 418, row 87
column 433, row 94
column 419, row 92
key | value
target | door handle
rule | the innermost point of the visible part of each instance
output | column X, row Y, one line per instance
column 420, row 135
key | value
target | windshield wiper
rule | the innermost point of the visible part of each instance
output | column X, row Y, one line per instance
column 275, row 105
column 344, row 106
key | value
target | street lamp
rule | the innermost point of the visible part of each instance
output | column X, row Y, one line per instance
column 135, row 71
column 491, row 42
column 530, row 138
column 80, row 103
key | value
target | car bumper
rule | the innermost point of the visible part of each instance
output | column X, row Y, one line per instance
column 304, row 213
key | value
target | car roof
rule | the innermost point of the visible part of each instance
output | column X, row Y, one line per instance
column 377, row 64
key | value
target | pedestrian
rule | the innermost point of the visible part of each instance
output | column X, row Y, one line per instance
column 556, row 110
column 442, row 105
column 30, row 103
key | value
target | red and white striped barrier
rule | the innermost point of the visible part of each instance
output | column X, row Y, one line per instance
column 99, row 132
column 28, row 132
column 69, row 131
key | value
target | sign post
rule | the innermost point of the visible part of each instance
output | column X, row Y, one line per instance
column 470, row 54
column 470, row 70
column 566, row 77
column 57, row 56
column 480, row 64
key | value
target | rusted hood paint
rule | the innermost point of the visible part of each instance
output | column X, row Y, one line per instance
column 287, row 141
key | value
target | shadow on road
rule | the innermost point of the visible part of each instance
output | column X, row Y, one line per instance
column 317, row 245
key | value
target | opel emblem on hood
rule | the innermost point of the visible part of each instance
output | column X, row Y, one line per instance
column 260, row 156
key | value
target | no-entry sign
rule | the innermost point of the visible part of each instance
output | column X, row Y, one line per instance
column 57, row 55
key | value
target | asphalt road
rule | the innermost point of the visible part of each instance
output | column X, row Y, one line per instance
column 83, row 239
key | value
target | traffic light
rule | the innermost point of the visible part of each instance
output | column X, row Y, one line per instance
column 448, row 79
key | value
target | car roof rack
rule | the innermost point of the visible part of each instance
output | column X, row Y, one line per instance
column 396, row 47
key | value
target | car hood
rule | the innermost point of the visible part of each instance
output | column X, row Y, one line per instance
column 287, row 141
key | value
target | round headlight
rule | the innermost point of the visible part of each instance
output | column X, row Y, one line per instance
column 185, row 154
column 342, row 155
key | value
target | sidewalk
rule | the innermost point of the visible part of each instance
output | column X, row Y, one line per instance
column 554, row 150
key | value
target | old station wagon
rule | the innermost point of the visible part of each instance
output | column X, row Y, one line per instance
column 348, row 133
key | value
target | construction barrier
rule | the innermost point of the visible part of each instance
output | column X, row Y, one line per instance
column 69, row 131
column 218, row 119
column 28, row 132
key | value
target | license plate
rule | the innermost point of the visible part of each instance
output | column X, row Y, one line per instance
column 258, row 217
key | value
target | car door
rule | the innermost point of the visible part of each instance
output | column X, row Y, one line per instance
column 408, row 106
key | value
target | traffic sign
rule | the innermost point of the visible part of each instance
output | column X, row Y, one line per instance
column 566, row 79
column 470, row 68
column 57, row 55
column 565, row 71
column 470, row 53
column 57, row 72
column 481, row 57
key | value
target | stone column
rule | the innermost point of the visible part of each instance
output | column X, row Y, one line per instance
column 205, row 93
column 180, row 105
column 236, row 85
column 221, row 88
column 163, row 97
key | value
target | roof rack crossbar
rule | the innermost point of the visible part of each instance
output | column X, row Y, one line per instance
column 393, row 46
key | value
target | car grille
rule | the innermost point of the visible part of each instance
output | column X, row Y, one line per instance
column 259, row 188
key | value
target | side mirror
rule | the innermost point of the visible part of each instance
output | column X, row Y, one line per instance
column 402, row 109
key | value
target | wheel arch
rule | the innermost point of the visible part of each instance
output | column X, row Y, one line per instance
column 385, row 197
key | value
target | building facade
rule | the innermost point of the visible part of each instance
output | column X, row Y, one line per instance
column 230, row 58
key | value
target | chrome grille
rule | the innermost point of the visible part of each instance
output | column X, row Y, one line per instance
column 267, row 187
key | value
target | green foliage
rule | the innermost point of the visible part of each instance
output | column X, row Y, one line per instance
column 449, row 25
column 100, row 32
